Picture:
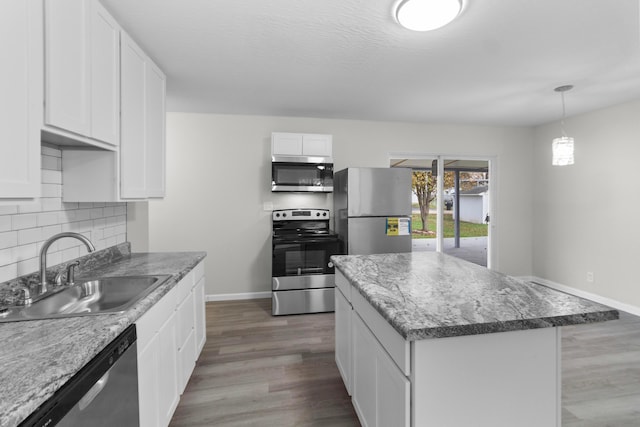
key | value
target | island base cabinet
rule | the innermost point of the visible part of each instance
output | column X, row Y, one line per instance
column 491, row 380
column 343, row 338
column 381, row 393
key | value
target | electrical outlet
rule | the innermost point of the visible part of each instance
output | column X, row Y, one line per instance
column 590, row 276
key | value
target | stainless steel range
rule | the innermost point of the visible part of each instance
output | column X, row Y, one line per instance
column 302, row 274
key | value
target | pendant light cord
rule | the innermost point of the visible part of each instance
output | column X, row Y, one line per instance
column 564, row 134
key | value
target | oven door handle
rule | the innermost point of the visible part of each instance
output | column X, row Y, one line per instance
column 296, row 241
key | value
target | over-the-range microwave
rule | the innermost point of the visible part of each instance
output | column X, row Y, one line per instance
column 301, row 174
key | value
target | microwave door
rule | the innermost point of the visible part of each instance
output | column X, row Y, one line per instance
column 301, row 177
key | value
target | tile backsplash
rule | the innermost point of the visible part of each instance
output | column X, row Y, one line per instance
column 25, row 227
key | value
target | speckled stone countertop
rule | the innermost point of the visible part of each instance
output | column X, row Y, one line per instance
column 38, row 356
column 433, row 295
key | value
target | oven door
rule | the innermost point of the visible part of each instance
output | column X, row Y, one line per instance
column 301, row 177
column 303, row 257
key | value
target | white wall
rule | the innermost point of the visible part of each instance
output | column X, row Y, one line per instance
column 586, row 214
column 218, row 180
column 25, row 227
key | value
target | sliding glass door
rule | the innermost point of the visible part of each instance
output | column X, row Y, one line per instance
column 451, row 204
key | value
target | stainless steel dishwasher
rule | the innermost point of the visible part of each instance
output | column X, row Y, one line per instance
column 103, row 393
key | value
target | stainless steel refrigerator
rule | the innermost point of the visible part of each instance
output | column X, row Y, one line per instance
column 372, row 208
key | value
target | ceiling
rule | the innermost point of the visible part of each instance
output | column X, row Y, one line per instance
column 496, row 64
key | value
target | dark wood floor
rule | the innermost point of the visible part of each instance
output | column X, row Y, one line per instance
column 259, row 370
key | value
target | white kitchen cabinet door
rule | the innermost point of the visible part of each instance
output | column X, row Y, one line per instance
column 142, row 144
column 168, row 395
column 200, row 317
column 381, row 393
column 186, row 340
column 21, row 101
column 364, row 372
column 317, row 145
column 132, row 142
column 343, row 338
column 155, row 84
column 82, row 72
column 105, row 75
column 67, row 65
column 148, row 369
column 286, row 144
column 393, row 393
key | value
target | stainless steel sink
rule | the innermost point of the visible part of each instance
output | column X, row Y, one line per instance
column 100, row 296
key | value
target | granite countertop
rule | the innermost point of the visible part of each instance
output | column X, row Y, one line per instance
column 38, row 356
column 433, row 295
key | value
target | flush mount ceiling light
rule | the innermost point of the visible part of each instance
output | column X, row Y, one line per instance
column 562, row 147
column 426, row 15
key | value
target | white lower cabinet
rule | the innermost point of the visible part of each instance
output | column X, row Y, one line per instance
column 199, row 309
column 186, row 333
column 381, row 393
column 168, row 393
column 167, row 348
column 157, row 367
column 343, row 338
column 393, row 393
column 148, row 368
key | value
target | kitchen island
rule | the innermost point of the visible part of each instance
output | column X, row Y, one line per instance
column 426, row 339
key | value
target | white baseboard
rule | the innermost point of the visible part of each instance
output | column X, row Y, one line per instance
column 231, row 297
column 584, row 294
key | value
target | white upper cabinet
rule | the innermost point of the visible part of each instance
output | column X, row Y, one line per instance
column 301, row 144
column 81, row 72
column 133, row 149
column 137, row 171
column 21, row 99
column 142, row 154
column 105, row 76
column 286, row 144
column 317, row 145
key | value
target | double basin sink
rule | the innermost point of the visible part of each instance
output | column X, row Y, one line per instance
column 100, row 296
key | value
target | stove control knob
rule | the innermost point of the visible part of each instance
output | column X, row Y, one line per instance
column 277, row 215
column 317, row 213
column 324, row 214
column 284, row 215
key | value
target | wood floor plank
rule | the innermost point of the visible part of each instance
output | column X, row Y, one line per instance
column 260, row 370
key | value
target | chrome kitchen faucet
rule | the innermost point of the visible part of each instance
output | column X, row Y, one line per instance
column 43, row 255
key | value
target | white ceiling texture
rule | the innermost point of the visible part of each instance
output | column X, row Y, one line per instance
column 496, row 64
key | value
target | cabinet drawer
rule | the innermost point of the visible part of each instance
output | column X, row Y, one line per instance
column 343, row 284
column 186, row 361
column 393, row 343
column 198, row 272
column 185, row 319
column 151, row 322
column 184, row 286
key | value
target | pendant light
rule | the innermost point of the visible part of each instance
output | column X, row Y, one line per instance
column 427, row 15
column 562, row 147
